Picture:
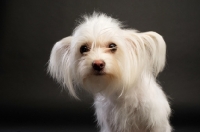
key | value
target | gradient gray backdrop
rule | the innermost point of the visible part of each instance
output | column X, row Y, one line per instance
column 31, row 101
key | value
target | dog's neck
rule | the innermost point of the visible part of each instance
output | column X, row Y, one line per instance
column 131, row 94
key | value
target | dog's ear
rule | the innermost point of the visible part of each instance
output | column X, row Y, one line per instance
column 150, row 49
column 58, row 53
column 59, row 64
column 156, row 49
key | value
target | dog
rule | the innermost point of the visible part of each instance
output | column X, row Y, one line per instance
column 118, row 66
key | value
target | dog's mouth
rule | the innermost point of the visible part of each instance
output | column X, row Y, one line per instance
column 99, row 73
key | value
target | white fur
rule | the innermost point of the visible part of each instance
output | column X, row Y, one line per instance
column 127, row 97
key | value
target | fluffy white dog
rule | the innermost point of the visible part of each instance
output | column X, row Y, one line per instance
column 119, row 67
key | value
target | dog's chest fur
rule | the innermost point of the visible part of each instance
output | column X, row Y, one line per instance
column 121, row 115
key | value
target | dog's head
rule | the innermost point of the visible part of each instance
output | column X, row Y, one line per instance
column 102, row 56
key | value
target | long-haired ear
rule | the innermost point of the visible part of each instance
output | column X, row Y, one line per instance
column 58, row 52
column 156, row 49
column 150, row 50
column 59, row 64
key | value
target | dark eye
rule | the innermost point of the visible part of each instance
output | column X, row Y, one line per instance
column 84, row 48
column 113, row 47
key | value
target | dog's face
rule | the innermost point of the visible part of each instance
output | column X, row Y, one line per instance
column 97, row 55
column 101, row 56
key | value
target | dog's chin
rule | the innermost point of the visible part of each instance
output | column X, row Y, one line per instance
column 96, row 82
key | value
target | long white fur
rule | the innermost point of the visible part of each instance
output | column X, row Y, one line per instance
column 127, row 98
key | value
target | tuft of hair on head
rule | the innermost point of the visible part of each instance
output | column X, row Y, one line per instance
column 97, row 18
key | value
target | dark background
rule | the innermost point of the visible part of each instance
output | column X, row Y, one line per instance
column 31, row 101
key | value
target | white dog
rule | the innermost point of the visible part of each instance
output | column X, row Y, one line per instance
column 119, row 67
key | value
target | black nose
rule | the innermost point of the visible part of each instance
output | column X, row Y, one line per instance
column 98, row 65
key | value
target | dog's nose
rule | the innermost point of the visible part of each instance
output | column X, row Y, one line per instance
column 98, row 65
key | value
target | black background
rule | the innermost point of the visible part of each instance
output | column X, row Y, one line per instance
column 31, row 101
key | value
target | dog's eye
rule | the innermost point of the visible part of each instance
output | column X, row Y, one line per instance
column 84, row 48
column 113, row 47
